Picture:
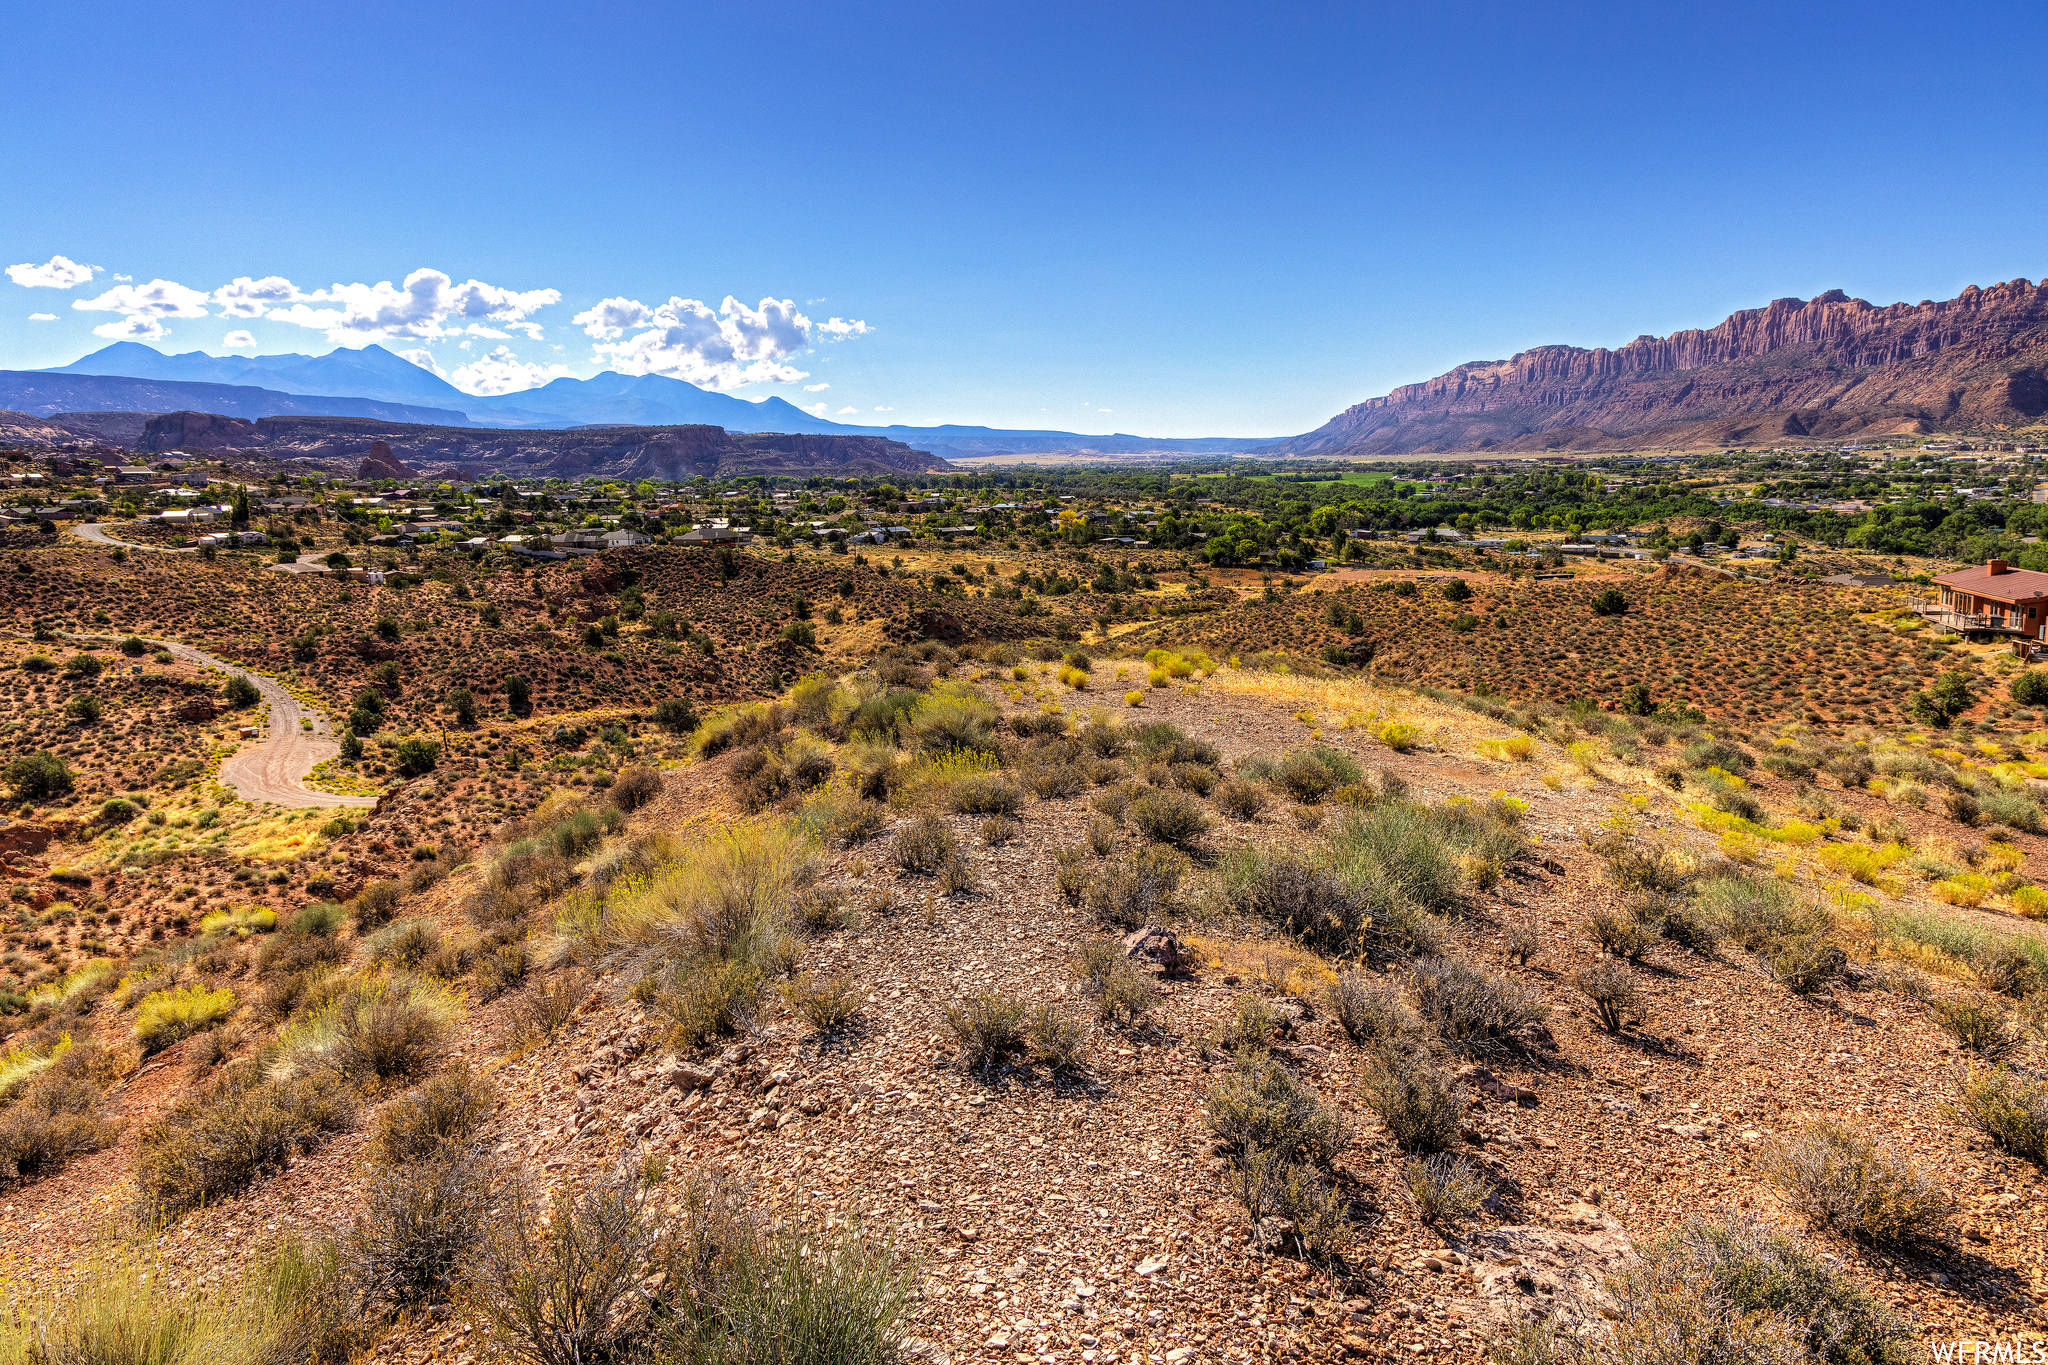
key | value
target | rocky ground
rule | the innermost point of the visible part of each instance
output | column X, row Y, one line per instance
column 1088, row 1218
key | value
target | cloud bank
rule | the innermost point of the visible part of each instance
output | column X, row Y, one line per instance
column 724, row 348
column 684, row 339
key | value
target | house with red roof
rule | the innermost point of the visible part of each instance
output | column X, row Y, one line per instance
column 1996, row 599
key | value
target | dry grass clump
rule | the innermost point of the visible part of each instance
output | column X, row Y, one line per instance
column 1120, row 990
column 1311, row 775
column 1129, row 890
column 56, row 1117
column 568, row 1287
column 1241, row 800
column 990, row 1029
column 1443, row 1190
column 1471, row 1007
column 445, row 1112
column 214, row 1142
column 1262, row 1106
column 987, row 795
column 418, row 1224
column 1621, row 934
column 2010, row 1108
column 1844, row 1183
column 1734, row 1290
column 1372, row 1011
column 369, row 1029
column 1611, row 989
column 1417, row 1097
column 923, row 846
column 1978, row 1025
column 826, row 1003
column 1058, row 1041
column 166, row 1017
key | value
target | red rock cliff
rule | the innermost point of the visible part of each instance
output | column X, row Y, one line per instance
column 1830, row 364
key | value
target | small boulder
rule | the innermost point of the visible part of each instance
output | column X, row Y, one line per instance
column 1161, row 947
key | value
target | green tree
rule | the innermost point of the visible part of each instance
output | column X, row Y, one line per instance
column 676, row 715
column 1457, row 590
column 1942, row 703
column 83, row 665
column 239, row 507
column 518, row 692
column 84, row 709
column 2031, row 688
column 1610, row 603
column 417, row 756
column 133, row 647
column 351, row 747
column 1635, row 699
column 463, row 705
column 38, row 776
column 242, row 693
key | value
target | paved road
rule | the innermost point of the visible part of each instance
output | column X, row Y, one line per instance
column 96, row 532
column 271, row 769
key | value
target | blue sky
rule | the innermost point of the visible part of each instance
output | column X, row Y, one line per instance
column 1172, row 219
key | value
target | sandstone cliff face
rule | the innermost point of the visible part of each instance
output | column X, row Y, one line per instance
column 1830, row 365
column 198, row 431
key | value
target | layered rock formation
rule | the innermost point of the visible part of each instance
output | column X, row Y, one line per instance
column 673, row 452
column 379, row 463
column 1827, row 367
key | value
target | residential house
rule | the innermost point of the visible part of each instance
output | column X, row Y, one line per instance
column 1997, row 599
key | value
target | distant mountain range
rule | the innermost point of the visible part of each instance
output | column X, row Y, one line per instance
column 1829, row 368
column 350, row 383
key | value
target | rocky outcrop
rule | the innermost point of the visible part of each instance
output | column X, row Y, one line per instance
column 1795, row 370
column 379, row 463
column 202, row 431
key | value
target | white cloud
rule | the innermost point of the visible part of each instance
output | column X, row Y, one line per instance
column 816, row 388
column 843, row 411
column 503, row 372
column 247, row 298
column 428, row 306
column 140, row 307
column 817, row 409
column 239, row 340
column 885, row 409
column 42, row 317
column 133, row 328
column 423, row 358
column 59, row 272
column 685, row 339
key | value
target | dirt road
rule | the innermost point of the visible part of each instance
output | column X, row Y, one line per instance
column 96, row 532
column 271, row 768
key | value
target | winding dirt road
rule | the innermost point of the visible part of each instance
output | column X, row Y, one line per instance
column 96, row 532
column 272, row 768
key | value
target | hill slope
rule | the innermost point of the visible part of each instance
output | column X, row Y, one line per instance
column 1830, row 366
column 41, row 393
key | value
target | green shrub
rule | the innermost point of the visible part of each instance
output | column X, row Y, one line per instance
column 1844, row 1183
column 1120, row 990
column 318, row 920
column 1272, row 1187
column 1241, row 800
column 1734, row 1290
column 1130, row 889
column 213, row 1143
column 1443, row 1190
column 1472, row 1007
column 923, row 846
column 1404, row 848
column 370, row 1029
column 989, row 1028
column 241, row 693
column 711, row 999
column 1167, row 817
column 1311, row 775
column 1416, row 1096
column 445, row 1112
column 2010, row 1108
column 418, row 1223
column 417, row 756
column 39, row 776
column 1058, row 1041
column 1262, row 1106
column 374, row 905
column 165, row 1017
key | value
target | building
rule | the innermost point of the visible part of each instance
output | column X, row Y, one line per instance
column 1997, row 599
column 715, row 533
column 618, row 540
